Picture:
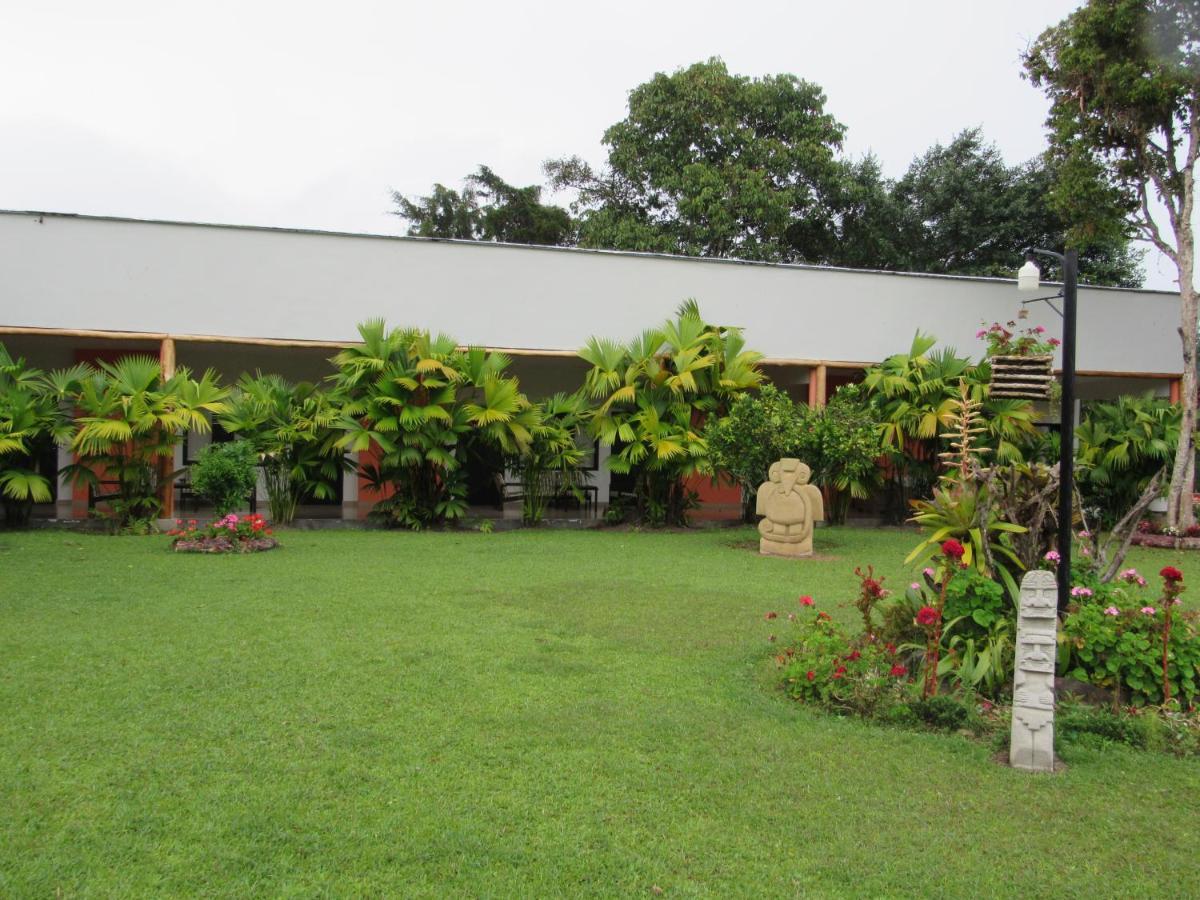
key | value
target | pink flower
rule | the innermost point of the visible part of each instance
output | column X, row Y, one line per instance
column 1052, row 556
column 1148, row 610
column 981, row 333
column 1176, row 602
column 1081, row 592
column 928, row 572
column 1054, row 342
column 1141, row 581
column 1130, row 575
column 914, row 586
column 1112, row 611
column 1039, row 330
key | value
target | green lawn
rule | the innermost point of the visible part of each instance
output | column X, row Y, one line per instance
column 525, row 713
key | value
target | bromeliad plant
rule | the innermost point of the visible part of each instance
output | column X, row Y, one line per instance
column 654, row 396
column 291, row 427
column 130, row 419
column 412, row 397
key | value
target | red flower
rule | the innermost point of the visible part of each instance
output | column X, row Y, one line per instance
column 806, row 600
column 772, row 615
column 891, row 648
column 839, row 671
column 854, row 654
column 822, row 615
column 811, row 674
column 927, row 615
column 1170, row 573
column 898, row 671
column 953, row 549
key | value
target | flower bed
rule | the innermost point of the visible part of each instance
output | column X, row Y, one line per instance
column 232, row 534
column 1152, row 534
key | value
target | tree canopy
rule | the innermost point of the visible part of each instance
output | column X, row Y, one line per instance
column 1123, row 78
column 487, row 209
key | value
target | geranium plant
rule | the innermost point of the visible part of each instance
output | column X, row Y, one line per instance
column 229, row 534
column 1008, row 340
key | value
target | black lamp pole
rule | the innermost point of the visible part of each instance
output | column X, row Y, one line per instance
column 1066, row 450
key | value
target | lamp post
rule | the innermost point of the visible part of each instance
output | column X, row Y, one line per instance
column 1028, row 279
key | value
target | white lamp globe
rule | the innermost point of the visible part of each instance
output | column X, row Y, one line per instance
column 1029, row 277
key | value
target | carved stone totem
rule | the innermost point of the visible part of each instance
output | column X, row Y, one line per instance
column 1032, row 745
column 791, row 506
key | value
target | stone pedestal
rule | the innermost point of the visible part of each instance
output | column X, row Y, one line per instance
column 1032, row 744
column 790, row 506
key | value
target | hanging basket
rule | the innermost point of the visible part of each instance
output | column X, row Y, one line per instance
column 1022, row 377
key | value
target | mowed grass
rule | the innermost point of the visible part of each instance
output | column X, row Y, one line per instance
column 513, row 714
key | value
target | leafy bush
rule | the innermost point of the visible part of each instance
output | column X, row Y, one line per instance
column 655, row 394
column 941, row 711
column 226, row 474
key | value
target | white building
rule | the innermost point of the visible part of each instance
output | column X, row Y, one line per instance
column 241, row 298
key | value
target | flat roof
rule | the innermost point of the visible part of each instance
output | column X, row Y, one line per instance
column 672, row 257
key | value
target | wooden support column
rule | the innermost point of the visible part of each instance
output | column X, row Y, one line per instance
column 1176, row 391
column 166, row 464
column 812, row 387
column 820, row 373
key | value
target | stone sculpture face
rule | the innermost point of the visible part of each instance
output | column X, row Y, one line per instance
column 790, row 506
column 1032, row 744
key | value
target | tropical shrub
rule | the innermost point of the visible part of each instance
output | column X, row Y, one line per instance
column 654, row 396
column 129, row 421
column 760, row 427
column 226, row 474
column 1117, row 636
column 229, row 534
column 549, row 467
column 917, row 396
column 1122, row 445
column 845, row 438
column 32, row 419
column 291, row 429
column 414, row 398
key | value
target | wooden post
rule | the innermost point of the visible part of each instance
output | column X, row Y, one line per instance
column 1175, row 391
column 166, row 464
column 812, row 387
column 821, row 376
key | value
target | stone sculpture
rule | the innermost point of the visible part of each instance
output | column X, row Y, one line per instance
column 791, row 506
column 1032, row 745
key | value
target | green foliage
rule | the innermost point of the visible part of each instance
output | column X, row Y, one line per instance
column 414, row 397
column 963, row 210
column 760, row 428
column 33, row 418
column 654, row 395
column 291, row 428
column 129, row 421
column 917, row 395
column 1123, row 650
column 821, row 666
column 944, row 712
column 487, row 209
column 1121, row 445
column 226, row 474
column 550, row 465
column 712, row 164
column 845, row 435
column 975, row 599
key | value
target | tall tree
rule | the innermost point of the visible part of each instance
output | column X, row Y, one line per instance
column 487, row 209
column 963, row 210
column 712, row 164
column 1123, row 78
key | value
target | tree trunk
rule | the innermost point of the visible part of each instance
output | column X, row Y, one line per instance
column 1183, row 475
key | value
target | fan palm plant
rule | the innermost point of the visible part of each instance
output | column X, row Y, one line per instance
column 33, row 418
column 130, row 419
column 290, row 427
column 551, row 467
column 413, row 397
column 653, row 396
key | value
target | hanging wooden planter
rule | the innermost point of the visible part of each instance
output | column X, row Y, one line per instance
column 1022, row 377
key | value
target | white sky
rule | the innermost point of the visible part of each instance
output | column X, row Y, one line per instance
column 305, row 114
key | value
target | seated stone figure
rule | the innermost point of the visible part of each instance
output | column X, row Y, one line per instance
column 791, row 506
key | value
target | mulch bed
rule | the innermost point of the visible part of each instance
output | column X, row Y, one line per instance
column 224, row 545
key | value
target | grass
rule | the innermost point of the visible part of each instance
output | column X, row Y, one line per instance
column 513, row 714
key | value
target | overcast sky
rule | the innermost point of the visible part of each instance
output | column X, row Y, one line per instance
column 307, row 114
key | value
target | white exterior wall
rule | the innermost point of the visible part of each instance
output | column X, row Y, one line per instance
column 81, row 273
